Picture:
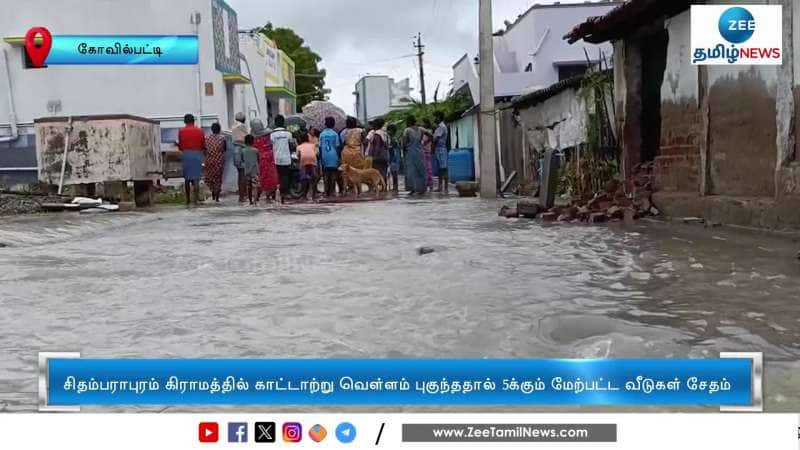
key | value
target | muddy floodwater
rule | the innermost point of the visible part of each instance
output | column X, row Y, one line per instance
column 348, row 281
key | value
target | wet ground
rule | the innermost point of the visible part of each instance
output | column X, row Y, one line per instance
column 347, row 281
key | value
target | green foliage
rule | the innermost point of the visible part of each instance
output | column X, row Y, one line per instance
column 452, row 108
column 306, row 62
column 598, row 157
column 587, row 178
column 173, row 197
column 593, row 90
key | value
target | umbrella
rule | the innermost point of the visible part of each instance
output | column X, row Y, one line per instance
column 316, row 112
column 296, row 120
column 296, row 123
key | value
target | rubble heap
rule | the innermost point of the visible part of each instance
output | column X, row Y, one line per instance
column 13, row 204
column 619, row 200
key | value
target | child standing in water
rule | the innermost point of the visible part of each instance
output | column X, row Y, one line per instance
column 249, row 164
column 307, row 152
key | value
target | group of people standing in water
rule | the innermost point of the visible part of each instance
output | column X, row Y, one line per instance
column 421, row 146
column 415, row 150
column 264, row 158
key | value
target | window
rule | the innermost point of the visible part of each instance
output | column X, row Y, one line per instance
column 570, row 70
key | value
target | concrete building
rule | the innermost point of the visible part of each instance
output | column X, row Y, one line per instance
column 251, row 97
column 281, row 87
column 723, row 139
column 376, row 95
column 214, row 89
column 558, row 118
column 273, row 78
column 529, row 55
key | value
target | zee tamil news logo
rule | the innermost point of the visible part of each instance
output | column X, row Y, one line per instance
column 737, row 25
column 737, row 35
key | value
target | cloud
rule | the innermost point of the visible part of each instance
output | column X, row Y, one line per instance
column 357, row 37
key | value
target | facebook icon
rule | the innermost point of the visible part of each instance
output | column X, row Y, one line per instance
column 237, row 432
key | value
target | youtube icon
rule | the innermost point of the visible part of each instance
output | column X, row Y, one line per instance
column 208, row 432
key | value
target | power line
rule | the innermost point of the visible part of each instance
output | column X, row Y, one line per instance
column 351, row 63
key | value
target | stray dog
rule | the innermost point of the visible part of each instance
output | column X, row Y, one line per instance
column 356, row 177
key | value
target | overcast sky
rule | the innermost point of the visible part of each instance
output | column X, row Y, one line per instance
column 360, row 37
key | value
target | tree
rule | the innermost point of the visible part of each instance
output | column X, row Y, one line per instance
column 452, row 108
column 310, row 83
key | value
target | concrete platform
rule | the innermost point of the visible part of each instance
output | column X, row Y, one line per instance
column 755, row 212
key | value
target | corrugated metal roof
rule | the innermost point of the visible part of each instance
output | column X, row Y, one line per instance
column 541, row 95
column 626, row 18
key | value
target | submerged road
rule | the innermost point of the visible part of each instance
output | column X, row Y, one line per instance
column 348, row 281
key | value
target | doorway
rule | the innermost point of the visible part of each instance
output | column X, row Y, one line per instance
column 654, row 63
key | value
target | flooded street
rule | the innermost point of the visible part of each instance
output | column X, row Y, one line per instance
column 347, row 281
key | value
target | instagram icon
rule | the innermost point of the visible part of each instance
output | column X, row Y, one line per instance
column 292, row 432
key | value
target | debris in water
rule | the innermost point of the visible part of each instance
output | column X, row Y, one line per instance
column 629, row 216
column 528, row 208
column 627, row 200
column 57, row 207
column 425, row 251
column 467, row 188
column 549, row 217
column 598, row 217
column 508, row 212
column 689, row 220
column 508, row 182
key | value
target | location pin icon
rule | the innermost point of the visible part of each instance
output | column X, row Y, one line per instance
column 38, row 52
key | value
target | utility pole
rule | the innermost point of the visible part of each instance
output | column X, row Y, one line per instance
column 488, row 127
column 418, row 45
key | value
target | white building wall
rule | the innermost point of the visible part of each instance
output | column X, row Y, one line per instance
column 162, row 93
column 536, row 39
column 374, row 97
column 567, row 110
column 149, row 91
column 252, row 99
column 554, row 49
column 680, row 76
column 464, row 72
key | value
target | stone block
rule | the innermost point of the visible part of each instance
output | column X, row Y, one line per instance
column 467, row 188
column 528, row 208
column 599, row 217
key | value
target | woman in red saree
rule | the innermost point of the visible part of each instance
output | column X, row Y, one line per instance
column 215, row 161
column 267, row 172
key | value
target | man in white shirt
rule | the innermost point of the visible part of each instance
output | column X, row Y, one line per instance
column 283, row 145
